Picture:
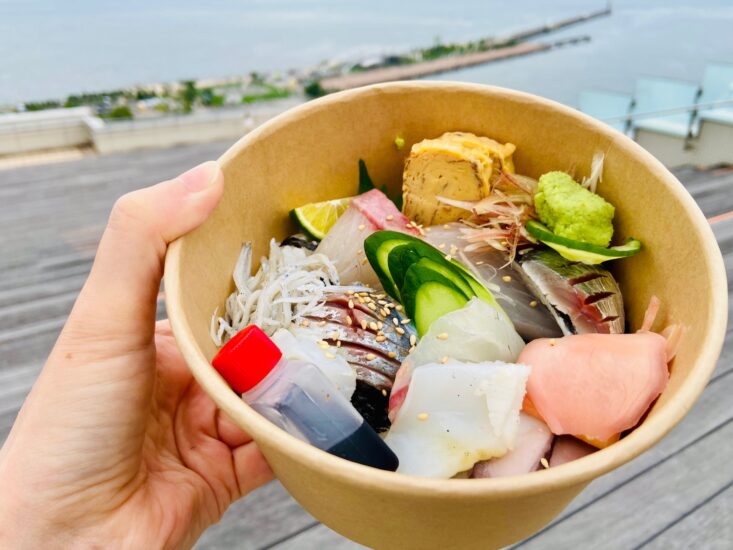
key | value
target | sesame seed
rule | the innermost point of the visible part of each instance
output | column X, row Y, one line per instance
column 382, row 302
column 406, row 321
column 349, row 292
column 330, row 356
column 380, row 338
column 506, row 279
column 446, row 226
column 371, row 306
column 304, row 323
column 453, row 249
column 380, row 296
column 399, row 307
column 363, row 324
column 395, row 321
column 533, row 303
column 338, row 343
column 363, row 294
column 380, row 325
column 370, row 357
column 392, row 354
column 349, row 321
column 321, row 323
column 399, row 330
column 413, row 340
column 351, row 304
column 364, row 261
column 444, row 359
column 442, row 336
column 384, row 392
column 480, row 262
column 334, row 335
column 359, row 252
column 323, row 344
column 441, row 246
column 422, row 416
column 448, row 257
column 552, row 341
column 544, row 462
column 384, row 312
column 390, row 218
column 361, row 300
column 362, row 227
column 373, row 325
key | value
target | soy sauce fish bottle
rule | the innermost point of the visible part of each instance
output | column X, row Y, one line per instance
column 297, row 397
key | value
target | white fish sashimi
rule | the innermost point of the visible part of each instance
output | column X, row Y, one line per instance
column 344, row 246
column 490, row 266
column 474, row 333
column 534, row 440
column 457, row 414
column 299, row 344
column 344, row 242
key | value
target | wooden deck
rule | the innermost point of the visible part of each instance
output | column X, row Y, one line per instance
column 677, row 495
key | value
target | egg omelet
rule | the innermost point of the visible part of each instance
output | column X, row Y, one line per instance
column 457, row 165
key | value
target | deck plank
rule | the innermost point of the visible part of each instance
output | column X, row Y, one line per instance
column 51, row 218
column 641, row 509
column 710, row 526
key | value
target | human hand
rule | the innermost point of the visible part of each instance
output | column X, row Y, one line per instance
column 117, row 445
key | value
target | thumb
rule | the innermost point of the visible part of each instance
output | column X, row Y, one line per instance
column 120, row 295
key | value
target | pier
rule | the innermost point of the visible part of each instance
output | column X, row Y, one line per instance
column 416, row 70
column 501, row 48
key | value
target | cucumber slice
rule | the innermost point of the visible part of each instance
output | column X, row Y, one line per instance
column 399, row 261
column 449, row 272
column 377, row 247
column 428, row 295
column 577, row 251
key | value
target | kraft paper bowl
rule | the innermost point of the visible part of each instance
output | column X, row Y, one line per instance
column 310, row 154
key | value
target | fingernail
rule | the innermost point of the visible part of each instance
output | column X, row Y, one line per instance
column 201, row 177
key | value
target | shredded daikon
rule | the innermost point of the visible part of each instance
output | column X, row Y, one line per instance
column 596, row 172
column 292, row 283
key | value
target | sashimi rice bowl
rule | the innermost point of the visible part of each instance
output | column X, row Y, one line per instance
column 447, row 301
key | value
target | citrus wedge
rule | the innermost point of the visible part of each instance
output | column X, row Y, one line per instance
column 317, row 218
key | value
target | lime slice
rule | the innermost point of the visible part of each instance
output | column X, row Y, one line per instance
column 577, row 251
column 317, row 218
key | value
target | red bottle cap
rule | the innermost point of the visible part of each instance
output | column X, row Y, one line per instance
column 247, row 358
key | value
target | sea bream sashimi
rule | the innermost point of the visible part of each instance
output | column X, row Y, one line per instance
column 583, row 298
column 530, row 318
column 344, row 243
column 456, row 414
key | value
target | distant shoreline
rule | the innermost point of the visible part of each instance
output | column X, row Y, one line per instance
column 182, row 97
